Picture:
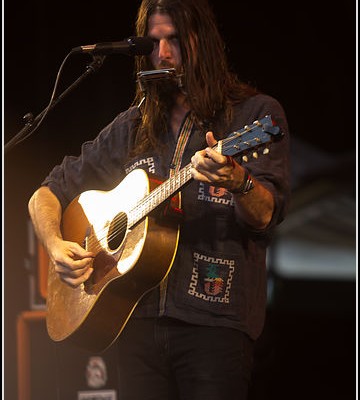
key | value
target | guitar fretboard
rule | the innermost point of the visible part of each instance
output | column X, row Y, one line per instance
column 161, row 193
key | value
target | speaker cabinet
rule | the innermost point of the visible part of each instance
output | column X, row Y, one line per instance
column 49, row 370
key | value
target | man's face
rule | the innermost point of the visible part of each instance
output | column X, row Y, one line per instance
column 166, row 53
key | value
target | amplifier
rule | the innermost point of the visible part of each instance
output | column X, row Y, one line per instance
column 61, row 371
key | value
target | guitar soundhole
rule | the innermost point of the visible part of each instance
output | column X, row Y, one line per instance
column 117, row 231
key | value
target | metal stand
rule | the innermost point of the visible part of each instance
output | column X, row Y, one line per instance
column 32, row 123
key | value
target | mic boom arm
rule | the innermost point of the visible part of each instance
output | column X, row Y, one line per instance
column 31, row 123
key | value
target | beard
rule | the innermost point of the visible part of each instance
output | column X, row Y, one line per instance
column 168, row 89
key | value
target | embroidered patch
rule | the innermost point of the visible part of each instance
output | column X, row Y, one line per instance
column 149, row 161
column 211, row 278
column 214, row 194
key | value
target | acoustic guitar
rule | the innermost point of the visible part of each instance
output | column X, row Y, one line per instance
column 134, row 241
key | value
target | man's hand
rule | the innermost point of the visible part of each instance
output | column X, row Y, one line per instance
column 214, row 168
column 71, row 262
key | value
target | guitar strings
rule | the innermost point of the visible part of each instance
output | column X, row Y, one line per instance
column 120, row 222
column 142, row 208
column 145, row 205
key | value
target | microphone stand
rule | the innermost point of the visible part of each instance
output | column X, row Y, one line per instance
column 30, row 121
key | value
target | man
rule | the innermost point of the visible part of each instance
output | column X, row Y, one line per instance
column 192, row 336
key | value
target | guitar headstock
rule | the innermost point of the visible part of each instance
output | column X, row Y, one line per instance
column 250, row 138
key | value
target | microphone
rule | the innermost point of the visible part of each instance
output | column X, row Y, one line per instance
column 133, row 46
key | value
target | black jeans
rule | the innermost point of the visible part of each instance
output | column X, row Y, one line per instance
column 166, row 359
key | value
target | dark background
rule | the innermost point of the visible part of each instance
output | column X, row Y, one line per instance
column 302, row 53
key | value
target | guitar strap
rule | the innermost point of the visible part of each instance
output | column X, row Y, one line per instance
column 175, row 166
column 183, row 138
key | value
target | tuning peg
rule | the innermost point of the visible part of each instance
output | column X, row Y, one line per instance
column 266, row 150
column 255, row 154
column 245, row 159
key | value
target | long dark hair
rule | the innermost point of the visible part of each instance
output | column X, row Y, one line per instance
column 210, row 86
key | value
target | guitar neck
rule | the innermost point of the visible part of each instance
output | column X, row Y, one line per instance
column 159, row 195
column 239, row 142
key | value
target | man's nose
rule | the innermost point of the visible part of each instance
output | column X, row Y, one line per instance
column 164, row 49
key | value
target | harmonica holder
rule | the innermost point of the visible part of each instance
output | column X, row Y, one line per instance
column 157, row 74
column 144, row 77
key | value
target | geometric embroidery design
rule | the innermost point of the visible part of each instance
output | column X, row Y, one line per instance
column 145, row 161
column 214, row 194
column 211, row 278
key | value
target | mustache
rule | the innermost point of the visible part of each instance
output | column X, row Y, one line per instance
column 165, row 64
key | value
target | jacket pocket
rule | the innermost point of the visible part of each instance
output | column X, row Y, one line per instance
column 213, row 284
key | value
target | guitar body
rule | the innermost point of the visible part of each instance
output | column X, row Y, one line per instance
column 129, row 262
